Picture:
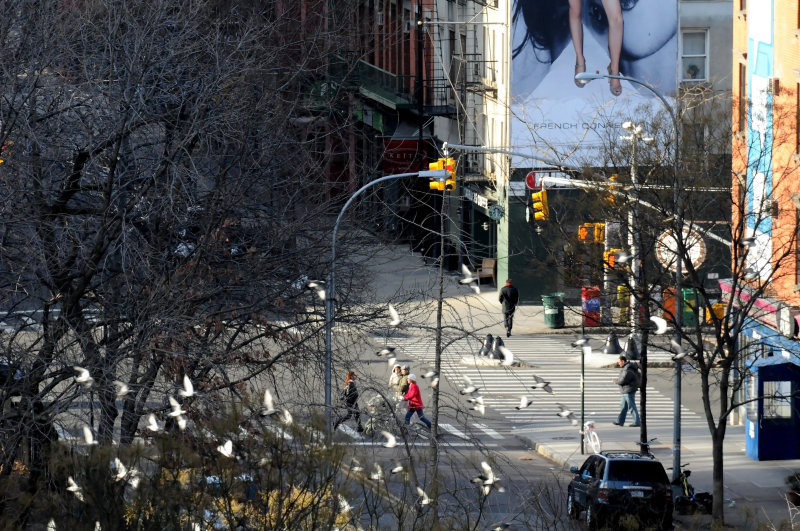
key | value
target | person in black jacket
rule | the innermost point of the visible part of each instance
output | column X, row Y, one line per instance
column 509, row 297
column 627, row 383
column 350, row 398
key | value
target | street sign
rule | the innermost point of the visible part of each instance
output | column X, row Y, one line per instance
column 530, row 180
column 667, row 248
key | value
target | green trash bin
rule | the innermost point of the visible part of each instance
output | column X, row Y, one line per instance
column 689, row 307
column 553, row 310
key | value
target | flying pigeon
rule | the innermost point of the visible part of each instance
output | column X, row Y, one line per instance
column 424, row 499
column 318, row 286
column 188, row 388
column 392, row 361
column 88, row 438
column 581, row 341
column 508, row 356
column 470, row 279
column 397, row 468
column 286, row 417
column 82, row 376
column 395, row 317
column 226, row 448
column 541, row 384
column 385, row 351
column 524, row 402
column 621, row 257
column 748, row 242
column 489, row 477
column 391, row 442
column 429, row 374
column 567, row 414
column 680, row 353
column 356, row 466
column 75, row 489
column 435, row 382
column 469, row 388
column 122, row 388
column 268, row 408
column 120, row 471
column 475, row 399
column 181, row 422
column 661, row 324
column 177, row 411
column 152, row 424
column 377, row 473
column 344, row 505
column 480, row 408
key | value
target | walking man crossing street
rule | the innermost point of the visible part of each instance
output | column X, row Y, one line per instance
column 627, row 382
column 509, row 297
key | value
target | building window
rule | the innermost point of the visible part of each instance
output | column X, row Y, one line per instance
column 777, row 400
column 743, row 98
column 694, row 55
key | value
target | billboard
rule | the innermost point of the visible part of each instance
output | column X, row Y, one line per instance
column 556, row 117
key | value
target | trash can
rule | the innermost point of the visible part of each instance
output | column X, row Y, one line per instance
column 590, row 304
column 689, row 307
column 553, row 310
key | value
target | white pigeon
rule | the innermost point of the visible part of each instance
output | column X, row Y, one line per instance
column 680, row 352
column 661, row 324
column 188, row 388
column 541, row 384
column 508, row 356
column 397, row 468
column 286, row 417
column 480, row 408
column 748, row 242
column 74, row 488
column 122, row 388
column 475, row 399
column 120, row 471
column 226, row 448
column 177, row 411
column 567, row 414
column 470, row 278
column 82, row 376
column 377, row 473
column 392, row 361
column 524, row 402
column 435, row 382
column 152, row 423
column 581, row 341
column 385, row 351
column 51, row 525
column 391, row 441
column 269, row 406
column 622, row 257
column 344, row 505
column 424, row 499
column 356, row 466
column 429, row 373
column 469, row 388
column 488, row 473
column 181, row 422
column 395, row 317
column 88, row 438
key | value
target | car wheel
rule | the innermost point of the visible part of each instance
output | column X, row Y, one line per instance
column 592, row 522
column 573, row 509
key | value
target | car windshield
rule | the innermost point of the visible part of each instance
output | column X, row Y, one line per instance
column 636, row 471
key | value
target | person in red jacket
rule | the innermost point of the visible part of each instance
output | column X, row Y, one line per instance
column 414, row 398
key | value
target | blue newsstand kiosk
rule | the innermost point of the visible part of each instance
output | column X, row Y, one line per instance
column 773, row 424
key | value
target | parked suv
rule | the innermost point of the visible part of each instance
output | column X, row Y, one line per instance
column 615, row 483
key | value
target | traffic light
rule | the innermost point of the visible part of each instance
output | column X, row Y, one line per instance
column 599, row 232
column 434, row 184
column 586, row 233
column 541, row 211
column 610, row 258
column 5, row 150
column 450, row 166
column 612, row 199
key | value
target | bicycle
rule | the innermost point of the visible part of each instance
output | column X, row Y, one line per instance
column 687, row 501
column 591, row 437
column 644, row 447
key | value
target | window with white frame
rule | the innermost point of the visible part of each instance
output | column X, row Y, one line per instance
column 694, row 55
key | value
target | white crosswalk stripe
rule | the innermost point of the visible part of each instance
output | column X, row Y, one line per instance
column 554, row 360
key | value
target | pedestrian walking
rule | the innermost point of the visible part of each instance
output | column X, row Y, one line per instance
column 486, row 349
column 627, row 382
column 509, row 297
column 350, row 398
column 394, row 379
column 414, row 398
column 402, row 383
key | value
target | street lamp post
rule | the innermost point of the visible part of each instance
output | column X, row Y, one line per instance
column 676, row 435
column 330, row 292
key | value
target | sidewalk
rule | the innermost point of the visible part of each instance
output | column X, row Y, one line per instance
column 754, row 490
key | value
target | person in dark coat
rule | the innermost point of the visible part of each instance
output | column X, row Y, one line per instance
column 350, row 398
column 627, row 384
column 488, row 342
column 509, row 297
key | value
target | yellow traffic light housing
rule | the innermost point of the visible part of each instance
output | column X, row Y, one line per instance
column 541, row 210
column 434, row 184
column 611, row 199
column 450, row 166
column 586, row 233
column 599, row 232
column 610, row 258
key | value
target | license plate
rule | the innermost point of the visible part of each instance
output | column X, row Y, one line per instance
column 637, row 494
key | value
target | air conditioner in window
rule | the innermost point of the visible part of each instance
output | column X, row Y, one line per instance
column 379, row 18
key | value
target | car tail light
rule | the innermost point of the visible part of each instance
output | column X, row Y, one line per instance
column 669, row 494
column 602, row 495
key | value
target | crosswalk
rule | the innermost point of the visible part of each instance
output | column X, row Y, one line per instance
column 555, row 361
